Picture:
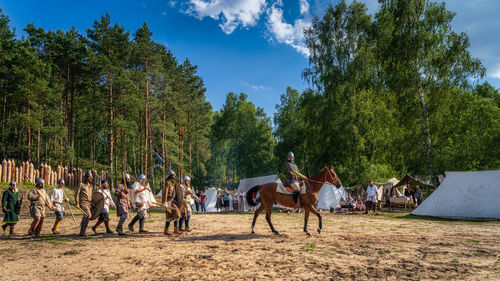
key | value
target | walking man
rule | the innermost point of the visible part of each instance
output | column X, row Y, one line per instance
column 10, row 207
column 57, row 199
column 39, row 199
column 172, row 197
column 141, row 203
column 123, row 207
column 83, row 196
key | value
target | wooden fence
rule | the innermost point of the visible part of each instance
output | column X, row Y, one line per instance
column 26, row 172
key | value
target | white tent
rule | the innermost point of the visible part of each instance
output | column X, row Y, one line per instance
column 211, row 194
column 464, row 195
column 329, row 196
column 246, row 184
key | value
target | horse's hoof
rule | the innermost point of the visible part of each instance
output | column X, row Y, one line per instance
column 277, row 233
column 319, row 231
column 253, row 232
column 308, row 234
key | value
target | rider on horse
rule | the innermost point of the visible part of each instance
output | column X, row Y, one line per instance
column 293, row 175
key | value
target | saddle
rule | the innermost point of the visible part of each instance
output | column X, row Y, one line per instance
column 286, row 189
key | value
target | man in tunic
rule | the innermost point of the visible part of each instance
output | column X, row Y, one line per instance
column 39, row 199
column 141, row 203
column 57, row 199
column 241, row 205
column 11, row 213
column 187, row 207
column 293, row 175
column 122, row 208
column 108, row 202
column 83, row 196
column 172, row 197
column 371, row 197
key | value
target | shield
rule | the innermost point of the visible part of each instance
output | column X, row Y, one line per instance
column 96, row 205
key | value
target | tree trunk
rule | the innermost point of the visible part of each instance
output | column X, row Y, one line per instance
column 111, row 116
column 427, row 132
column 29, row 132
column 146, row 121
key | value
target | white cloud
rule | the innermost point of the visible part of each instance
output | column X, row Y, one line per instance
column 232, row 13
column 286, row 33
column 304, row 7
column 255, row 87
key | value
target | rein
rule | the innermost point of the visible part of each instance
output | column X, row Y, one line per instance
column 322, row 182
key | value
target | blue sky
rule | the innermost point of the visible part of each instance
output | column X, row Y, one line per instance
column 250, row 46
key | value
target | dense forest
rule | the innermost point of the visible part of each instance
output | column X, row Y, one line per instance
column 392, row 93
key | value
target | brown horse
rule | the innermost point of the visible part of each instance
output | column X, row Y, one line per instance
column 268, row 196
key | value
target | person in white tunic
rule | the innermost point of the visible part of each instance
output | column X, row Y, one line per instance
column 108, row 202
column 371, row 197
column 141, row 201
column 241, row 204
column 57, row 199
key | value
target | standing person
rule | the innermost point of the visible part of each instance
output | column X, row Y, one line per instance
column 83, row 196
column 172, row 197
column 39, row 199
column 241, row 204
column 371, row 197
column 419, row 195
column 293, row 175
column 203, row 199
column 197, row 203
column 189, row 199
column 235, row 197
column 10, row 207
column 218, row 204
column 57, row 199
column 141, row 203
column 226, row 199
column 108, row 202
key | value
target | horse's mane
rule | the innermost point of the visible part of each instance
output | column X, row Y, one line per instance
column 319, row 174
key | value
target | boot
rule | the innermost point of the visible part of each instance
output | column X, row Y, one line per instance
column 187, row 229
column 11, row 232
column 166, row 232
column 132, row 222
column 176, row 231
column 109, row 231
column 296, row 195
column 4, row 227
column 94, row 229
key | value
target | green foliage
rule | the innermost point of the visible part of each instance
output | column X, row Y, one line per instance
column 391, row 95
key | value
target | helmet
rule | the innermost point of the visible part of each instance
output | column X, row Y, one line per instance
column 170, row 172
column 12, row 183
column 40, row 181
column 103, row 181
column 290, row 156
column 60, row 181
column 142, row 177
column 88, row 174
column 186, row 178
column 127, row 177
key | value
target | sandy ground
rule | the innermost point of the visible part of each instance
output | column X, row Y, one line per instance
column 352, row 247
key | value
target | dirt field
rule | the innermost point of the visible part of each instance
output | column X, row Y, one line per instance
column 360, row 247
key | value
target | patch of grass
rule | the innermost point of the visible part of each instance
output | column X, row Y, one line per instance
column 473, row 241
column 71, row 252
column 340, row 251
column 8, row 251
column 468, row 255
column 384, row 252
column 454, row 261
column 497, row 262
column 410, row 274
column 308, row 247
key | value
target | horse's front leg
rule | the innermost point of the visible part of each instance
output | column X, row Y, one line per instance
column 314, row 211
column 306, row 218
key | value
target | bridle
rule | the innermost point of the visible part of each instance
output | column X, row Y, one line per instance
column 324, row 176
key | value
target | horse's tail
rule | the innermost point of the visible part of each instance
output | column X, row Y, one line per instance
column 251, row 195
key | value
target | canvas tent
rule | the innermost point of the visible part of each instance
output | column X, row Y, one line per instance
column 465, row 196
column 329, row 196
column 211, row 194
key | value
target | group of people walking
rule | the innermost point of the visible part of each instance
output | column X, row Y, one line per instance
column 178, row 199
